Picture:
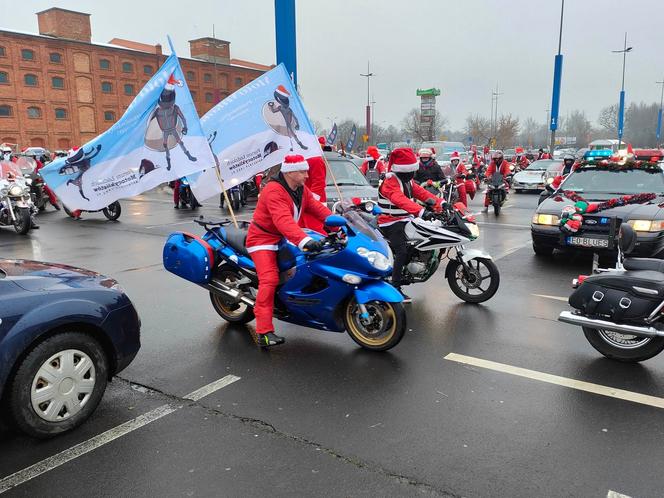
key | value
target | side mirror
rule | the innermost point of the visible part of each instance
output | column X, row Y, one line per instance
column 334, row 220
column 376, row 210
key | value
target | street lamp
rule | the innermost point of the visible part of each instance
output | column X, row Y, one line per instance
column 368, row 77
column 621, row 109
column 659, row 114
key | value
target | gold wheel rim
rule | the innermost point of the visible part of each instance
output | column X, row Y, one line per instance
column 388, row 315
column 220, row 302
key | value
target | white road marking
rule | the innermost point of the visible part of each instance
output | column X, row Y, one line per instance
column 556, row 298
column 511, row 250
column 580, row 385
column 52, row 462
column 170, row 224
column 613, row 494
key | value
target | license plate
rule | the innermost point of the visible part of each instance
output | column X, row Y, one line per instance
column 587, row 242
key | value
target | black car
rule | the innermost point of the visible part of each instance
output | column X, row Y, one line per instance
column 64, row 332
column 598, row 230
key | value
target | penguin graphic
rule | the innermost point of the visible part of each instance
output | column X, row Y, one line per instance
column 170, row 121
column 283, row 106
column 78, row 162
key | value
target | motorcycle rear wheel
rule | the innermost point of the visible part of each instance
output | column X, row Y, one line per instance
column 229, row 311
column 623, row 347
column 112, row 211
column 23, row 222
column 457, row 278
column 386, row 329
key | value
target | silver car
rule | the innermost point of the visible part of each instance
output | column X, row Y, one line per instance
column 350, row 180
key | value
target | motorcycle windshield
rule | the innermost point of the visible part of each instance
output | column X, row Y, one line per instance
column 497, row 180
column 26, row 165
column 9, row 171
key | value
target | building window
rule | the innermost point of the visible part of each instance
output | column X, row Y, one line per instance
column 148, row 70
column 127, row 67
column 238, row 81
column 3, row 52
column 60, row 113
column 55, row 57
column 5, row 111
column 191, row 76
column 57, row 82
column 34, row 112
column 207, row 77
column 30, row 80
column 109, row 116
column 106, row 87
column 4, row 77
column 104, row 64
column 27, row 54
column 208, row 97
column 129, row 89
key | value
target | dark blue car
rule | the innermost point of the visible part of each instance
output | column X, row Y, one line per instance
column 64, row 332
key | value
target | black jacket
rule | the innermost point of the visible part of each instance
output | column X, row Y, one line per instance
column 431, row 172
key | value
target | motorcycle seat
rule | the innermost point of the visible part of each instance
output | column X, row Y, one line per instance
column 644, row 264
column 236, row 238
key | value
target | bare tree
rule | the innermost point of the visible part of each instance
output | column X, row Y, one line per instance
column 579, row 126
column 608, row 120
column 479, row 128
column 640, row 124
column 413, row 127
column 508, row 129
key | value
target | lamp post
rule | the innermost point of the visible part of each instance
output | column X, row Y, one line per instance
column 621, row 108
column 557, row 79
column 659, row 114
column 368, row 124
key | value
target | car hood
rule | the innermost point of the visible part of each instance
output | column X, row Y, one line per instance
column 348, row 191
column 36, row 276
column 529, row 176
column 555, row 205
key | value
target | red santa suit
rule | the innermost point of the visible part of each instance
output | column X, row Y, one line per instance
column 276, row 217
column 465, row 187
column 491, row 169
column 373, row 155
column 316, row 183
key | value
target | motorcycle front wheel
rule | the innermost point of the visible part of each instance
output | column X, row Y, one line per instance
column 23, row 222
column 496, row 207
column 623, row 347
column 476, row 284
column 385, row 327
column 112, row 211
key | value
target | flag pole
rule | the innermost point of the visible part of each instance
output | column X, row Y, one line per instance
column 223, row 191
column 341, row 198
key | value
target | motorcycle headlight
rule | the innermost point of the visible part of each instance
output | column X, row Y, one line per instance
column 4, row 192
column 545, row 219
column 28, row 181
column 473, row 229
column 377, row 259
column 15, row 190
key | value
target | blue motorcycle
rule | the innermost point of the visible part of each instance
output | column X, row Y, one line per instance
column 338, row 289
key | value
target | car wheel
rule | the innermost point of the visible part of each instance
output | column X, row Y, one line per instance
column 58, row 384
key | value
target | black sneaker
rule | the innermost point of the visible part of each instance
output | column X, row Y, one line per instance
column 176, row 207
column 406, row 297
column 270, row 339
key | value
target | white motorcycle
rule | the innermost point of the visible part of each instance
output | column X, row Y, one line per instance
column 16, row 207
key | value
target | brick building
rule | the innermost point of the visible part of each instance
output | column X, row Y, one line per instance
column 58, row 89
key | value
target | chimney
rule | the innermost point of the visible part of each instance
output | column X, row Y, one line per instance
column 63, row 23
column 211, row 50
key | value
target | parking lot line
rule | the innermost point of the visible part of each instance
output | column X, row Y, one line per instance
column 52, row 462
column 580, row 385
column 555, row 298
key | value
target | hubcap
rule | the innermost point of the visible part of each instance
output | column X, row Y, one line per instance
column 623, row 341
column 63, row 385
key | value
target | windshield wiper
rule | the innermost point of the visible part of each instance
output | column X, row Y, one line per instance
column 345, row 184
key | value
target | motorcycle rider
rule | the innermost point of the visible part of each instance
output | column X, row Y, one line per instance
column 281, row 203
column 543, row 155
column 520, row 160
column 465, row 187
column 373, row 161
column 428, row 169
column 497, row 164
column 396, row 198
column 52, row 198
column 568, row 164
column 6, row 153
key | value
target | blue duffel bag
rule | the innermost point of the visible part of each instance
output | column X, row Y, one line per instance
column 189, row 256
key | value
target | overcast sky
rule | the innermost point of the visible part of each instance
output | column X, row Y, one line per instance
column 465, row 48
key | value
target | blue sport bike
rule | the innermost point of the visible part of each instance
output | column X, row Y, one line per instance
column 341, row 288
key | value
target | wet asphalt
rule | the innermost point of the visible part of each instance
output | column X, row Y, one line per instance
column 321, row 416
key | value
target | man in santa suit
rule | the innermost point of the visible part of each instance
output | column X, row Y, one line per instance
column 396, row 198
column 373, row 161
column 497, row 164
column 281, row 203
column 316, row 182
column 465, row 187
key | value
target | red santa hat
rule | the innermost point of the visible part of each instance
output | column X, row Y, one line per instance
column 403, row 160
column 455, row 155
column 518, row 150
column 294, row 162
column 71, row 152
column 172, row 82
column 372, row 151
column 322, row 141
column 281, row 90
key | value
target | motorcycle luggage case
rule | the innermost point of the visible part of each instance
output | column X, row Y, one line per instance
column 188, row 256
column 620, row 296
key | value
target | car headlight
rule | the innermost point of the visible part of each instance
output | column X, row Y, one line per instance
column 474, row 229
column 545, row 219
column 15, row 190
column 377, row 259
column 3, row 192
column 647, row 225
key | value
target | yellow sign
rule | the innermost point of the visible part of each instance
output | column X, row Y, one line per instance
column 365, row 138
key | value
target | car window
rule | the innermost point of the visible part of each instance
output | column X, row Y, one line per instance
column 631, row 181
column 538, row 165
column 346, row 173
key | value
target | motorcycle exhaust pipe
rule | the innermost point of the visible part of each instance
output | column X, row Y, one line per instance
column 593, row 323
column 235, row 294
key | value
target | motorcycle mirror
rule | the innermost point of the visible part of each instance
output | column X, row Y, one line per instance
column 376, row 210
column 430, row 202
column 334, row 220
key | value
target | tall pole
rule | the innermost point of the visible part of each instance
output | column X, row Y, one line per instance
column 284, row 20
column 368, row 122
column 621, row 105
column 491, row 118
column 495, row 120
column 373, row 112
column 659, row 114
column 557, row 79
